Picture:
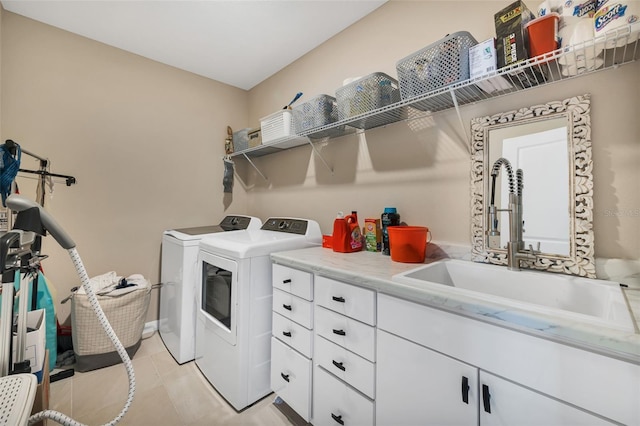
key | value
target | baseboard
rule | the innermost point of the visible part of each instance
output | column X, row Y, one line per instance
column 149, row 328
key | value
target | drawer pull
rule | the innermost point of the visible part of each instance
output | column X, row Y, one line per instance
column 286, row 333
column 465, row 390
column 338, row 299
column 285, row 377
column 339, row 365
column 486, row 398
column 338, row 419
column 287, row 307
column 339, row 332
column 287, row 281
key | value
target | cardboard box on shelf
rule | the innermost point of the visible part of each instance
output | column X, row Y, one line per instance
column 255, row 138
column 482, row 61
column 511, row 35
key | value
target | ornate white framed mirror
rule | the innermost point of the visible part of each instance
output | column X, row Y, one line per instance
column 551, row 143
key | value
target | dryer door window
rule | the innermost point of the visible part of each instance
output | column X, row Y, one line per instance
column 216, row 293
column 217, row 296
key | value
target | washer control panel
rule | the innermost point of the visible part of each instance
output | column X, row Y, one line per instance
column 291, row 226
column 232, row 223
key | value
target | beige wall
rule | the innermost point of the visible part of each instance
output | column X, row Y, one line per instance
column 422, row 167
column 145, row 142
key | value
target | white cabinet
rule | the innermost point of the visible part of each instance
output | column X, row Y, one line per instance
column 417, row 386
column 292, row 338
column 522, row 380
column 421, row 386
column 291, row 377
column 337, row 404
column 344, row 354
column 504, row 403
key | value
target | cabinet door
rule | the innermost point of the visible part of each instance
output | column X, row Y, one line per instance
column 293, row 307
column 293, row 334
column 299, row 283
column 346, row 332
column 337, row 404
column 344, row 364
column 505, row 403
column 346, row 299
column 291, row 377
column 417, row 386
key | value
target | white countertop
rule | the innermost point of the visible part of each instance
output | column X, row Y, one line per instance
column 374, row 271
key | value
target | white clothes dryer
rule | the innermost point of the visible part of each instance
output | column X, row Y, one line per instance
column 176, row 324
column 233, row 319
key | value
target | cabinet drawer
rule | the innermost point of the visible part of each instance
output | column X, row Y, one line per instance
column 349, row 300
column 291, row 377
column 346, row 332
column 292, row 334
column 293, row 281
column 335, row 403
column 353, row 369
column 293, row 307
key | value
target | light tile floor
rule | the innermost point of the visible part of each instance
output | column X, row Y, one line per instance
column 166, row 394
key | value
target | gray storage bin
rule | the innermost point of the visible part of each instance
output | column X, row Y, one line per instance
column 320, row 111
column 368, row 94
column 440, row 64
column 241, row 140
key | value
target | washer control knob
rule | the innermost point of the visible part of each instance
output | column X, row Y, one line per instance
column 283, row 224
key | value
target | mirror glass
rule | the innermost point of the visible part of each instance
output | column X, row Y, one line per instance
column 551, row 144
column 540, row 149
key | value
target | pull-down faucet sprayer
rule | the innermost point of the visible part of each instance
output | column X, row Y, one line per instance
column 515, row 247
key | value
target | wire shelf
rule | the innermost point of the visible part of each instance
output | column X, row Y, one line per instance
column 610, row 50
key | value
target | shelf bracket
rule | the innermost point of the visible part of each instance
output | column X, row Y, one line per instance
column 316, row 152
column 455, row 104
column 254, row 166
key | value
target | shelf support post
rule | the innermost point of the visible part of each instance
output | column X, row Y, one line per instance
column 455, row 104
column 316, row 152
column 254, row 166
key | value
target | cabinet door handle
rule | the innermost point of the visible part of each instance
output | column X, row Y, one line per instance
column 465, row 390
column 285, row 377
column 339, row 365
column 338, row 299
column 287, row 307
column 287, row 333
column 339, row 332
column 486, row 398
column 287, row 281
column 338, row 419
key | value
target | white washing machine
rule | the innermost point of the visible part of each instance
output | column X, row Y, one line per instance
column 178, row 276
column 233, row 319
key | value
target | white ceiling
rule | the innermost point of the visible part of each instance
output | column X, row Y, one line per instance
column 237, row 42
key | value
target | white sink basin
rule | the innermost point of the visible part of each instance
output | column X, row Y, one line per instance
column 583, row 299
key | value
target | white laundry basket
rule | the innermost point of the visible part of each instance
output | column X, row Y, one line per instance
column 125, row 308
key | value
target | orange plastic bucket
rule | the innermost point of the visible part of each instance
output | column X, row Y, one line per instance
column 543, row 34
column 408, row 244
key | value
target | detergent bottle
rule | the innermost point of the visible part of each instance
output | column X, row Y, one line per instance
column 347, row 236
column 355, row 234
column 340, row 234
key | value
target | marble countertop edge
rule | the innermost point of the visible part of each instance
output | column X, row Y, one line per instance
column 365, row 270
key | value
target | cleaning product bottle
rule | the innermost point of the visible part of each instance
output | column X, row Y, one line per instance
column 355, row 234
column 340, row 234
column 390, row 217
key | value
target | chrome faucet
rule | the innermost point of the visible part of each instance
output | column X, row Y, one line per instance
column 515, row 247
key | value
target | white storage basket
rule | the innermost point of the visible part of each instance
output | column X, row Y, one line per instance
column 277, row 126
column 126, row 311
